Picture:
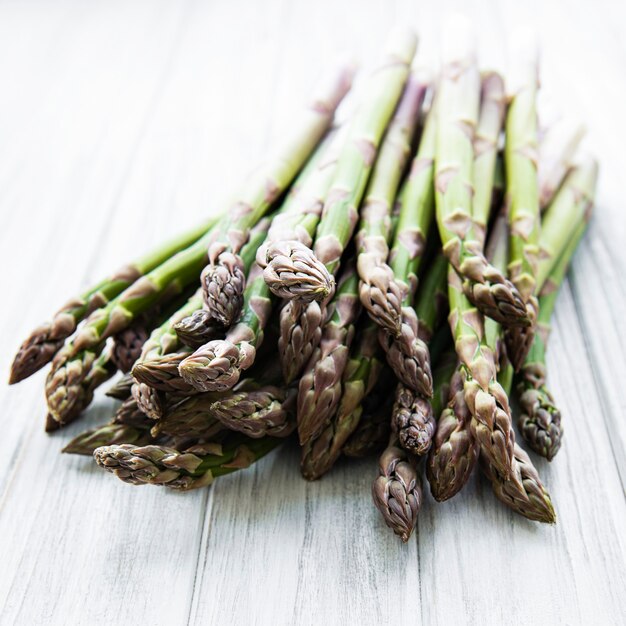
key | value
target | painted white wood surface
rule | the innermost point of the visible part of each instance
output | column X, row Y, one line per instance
column 112, row 113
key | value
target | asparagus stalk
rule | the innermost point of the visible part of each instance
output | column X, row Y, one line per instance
column 48, row 338
column 300, row 334
column 182, row 470
column 380, row 292
column 373, row 429
column 290, row 268
column 107, row 435
column 383, row 91
column 128, row 344
column 432, row 299
column 457, row 114
column 397, row 492
column 406, row 353
column 71, row 383
column 491, row 116
column 160, row 364
column 361, row 374
column 454, row 452
column 540, row 419
column 197, row 329
column 121, row 389
column 319, row 390
column 267, row 411
column 488, row 403
column 218, row 364
column 189, row 416
column 556, row 153
column 412, row 421
column 521, row 153
column 223, row 279
column 523, row 490
column 568, row 209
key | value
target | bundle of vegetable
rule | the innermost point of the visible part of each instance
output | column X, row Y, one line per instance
column 317, row 303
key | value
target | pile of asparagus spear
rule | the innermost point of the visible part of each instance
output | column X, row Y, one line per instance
column 316, row 304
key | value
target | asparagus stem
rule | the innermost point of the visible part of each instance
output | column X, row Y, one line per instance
column 48, row 338
column 492, row 105
column 556, row 152
column 457, row 114
column 454, row 452
column 540, row 419
column 397, row 492
column 357, row 157
column 372, row 432
column 319, row 390
column 290, row 268
column 521, row 154
column 568, row 209
column 107, row 435
column 182, row 470
column 223, row 279
column 267, row 411
column 380, row 292
column 360, row 375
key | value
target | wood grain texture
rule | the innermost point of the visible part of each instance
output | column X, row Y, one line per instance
column 114, row 112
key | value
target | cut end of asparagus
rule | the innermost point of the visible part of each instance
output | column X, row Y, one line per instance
column 293, row 272
column 223, row 283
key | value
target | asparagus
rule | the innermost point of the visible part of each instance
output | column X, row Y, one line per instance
column 71, row 384
column 457, row 114
column 107, row 435
column 540, row 419
column 182, row 470
column 412, row 421
column 290, row 268
column 197, row 329
column 406, row 353
column 300, row 333
column 217, row 365
column 360, row 375
column 48, row 338
column 567, row 210
column 397, row 492
column 380, row 292
column 491, row 116
column 121, row 389
column 432, row 299
column 159, row 365
column 319, row 390
column 488, row 403
column 454, row 452
column 190, row 416
column 384, row 89
column 149, row 400
column 521, row 153
column 373, row 429
column 223, row 279
column 221, row 246
column 128, row 344
column 129, row 414
column 523, row 490
column 257, row 412
column 556, row 152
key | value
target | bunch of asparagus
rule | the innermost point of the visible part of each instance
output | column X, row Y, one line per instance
column 317, row 303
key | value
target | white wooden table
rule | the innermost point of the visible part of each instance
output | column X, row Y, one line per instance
column 123, row 121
